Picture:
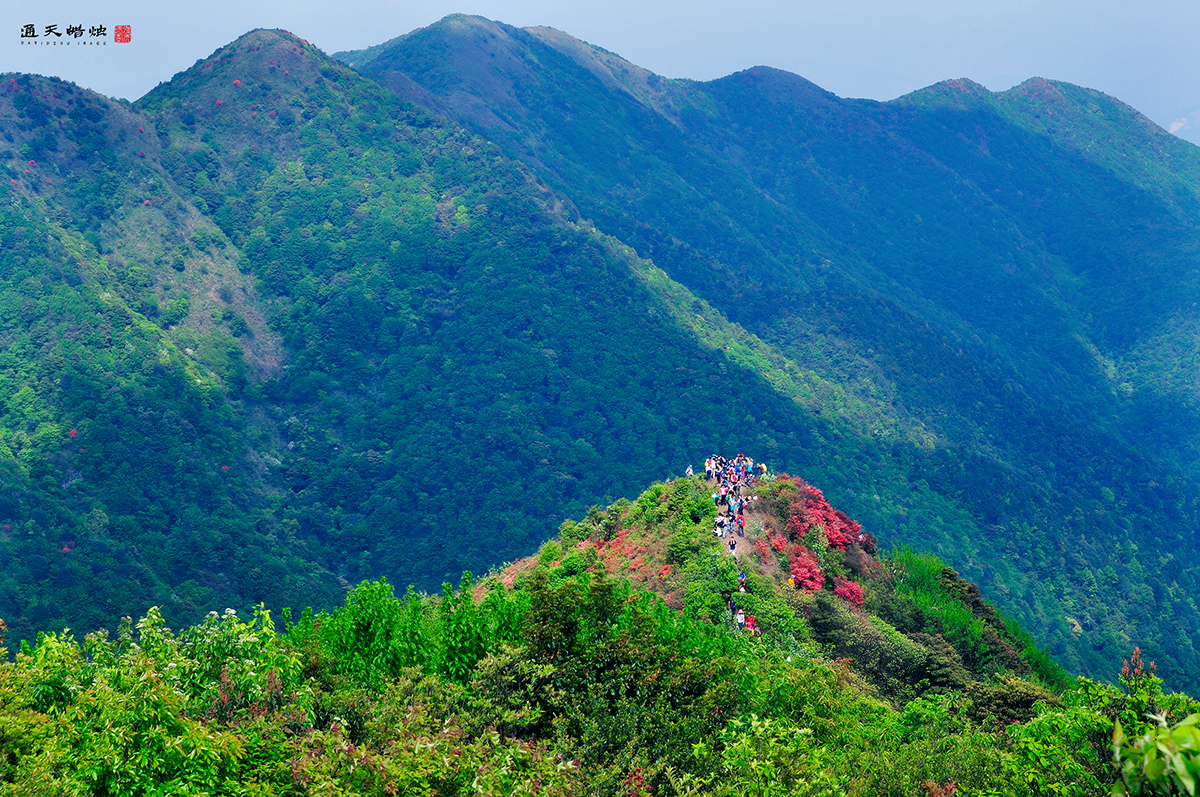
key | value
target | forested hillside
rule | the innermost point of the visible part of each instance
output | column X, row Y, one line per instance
column 617, row 661
column 376, row 347
column 274, row 328
column 1010, row 277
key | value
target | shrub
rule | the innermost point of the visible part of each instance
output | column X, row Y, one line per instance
column 1007, row 701
column 849, row 591
column 805, row 569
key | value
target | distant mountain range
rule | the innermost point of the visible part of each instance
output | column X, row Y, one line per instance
column 282, row 325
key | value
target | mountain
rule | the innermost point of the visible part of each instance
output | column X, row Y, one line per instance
column 323, row 335
column 274, row 328
column 1010, row 277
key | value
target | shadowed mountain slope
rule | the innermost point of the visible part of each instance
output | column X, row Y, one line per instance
column 1012, row 273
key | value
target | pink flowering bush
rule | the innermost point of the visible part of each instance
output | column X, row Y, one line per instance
column 849, row 591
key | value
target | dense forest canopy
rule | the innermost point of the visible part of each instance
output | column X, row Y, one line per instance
column 1009, row 277
column 281, row 326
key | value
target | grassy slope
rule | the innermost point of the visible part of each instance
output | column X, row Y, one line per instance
column 912, row 605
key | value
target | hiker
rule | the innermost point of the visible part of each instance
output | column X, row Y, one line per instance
column 689, row 472
column 741, row 524
column 741, row 619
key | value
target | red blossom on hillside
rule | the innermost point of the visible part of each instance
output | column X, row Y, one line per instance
column 849, row 591
column 805, row 569
column 72, row 433
column 809, row 508
column 664, row 571
column 761, row 549
column 778, row 543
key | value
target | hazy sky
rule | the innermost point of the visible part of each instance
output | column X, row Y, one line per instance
column 1144, row 53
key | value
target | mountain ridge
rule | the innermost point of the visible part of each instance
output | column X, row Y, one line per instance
column 769, row 139
column 288, row 450
column 378, row 294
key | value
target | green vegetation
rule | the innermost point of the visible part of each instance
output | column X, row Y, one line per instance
column 389, row 339
column 274, row 330
column 570, row 680
column 1000, row 288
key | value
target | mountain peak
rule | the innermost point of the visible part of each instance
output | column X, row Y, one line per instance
column 261, row 61
column 781, row 86
column 958, row 93
column 1038, row 89
column 462, row 59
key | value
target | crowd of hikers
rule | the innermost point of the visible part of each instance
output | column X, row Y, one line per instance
column 729, row 476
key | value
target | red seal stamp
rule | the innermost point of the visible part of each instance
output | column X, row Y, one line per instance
column 122, row 34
